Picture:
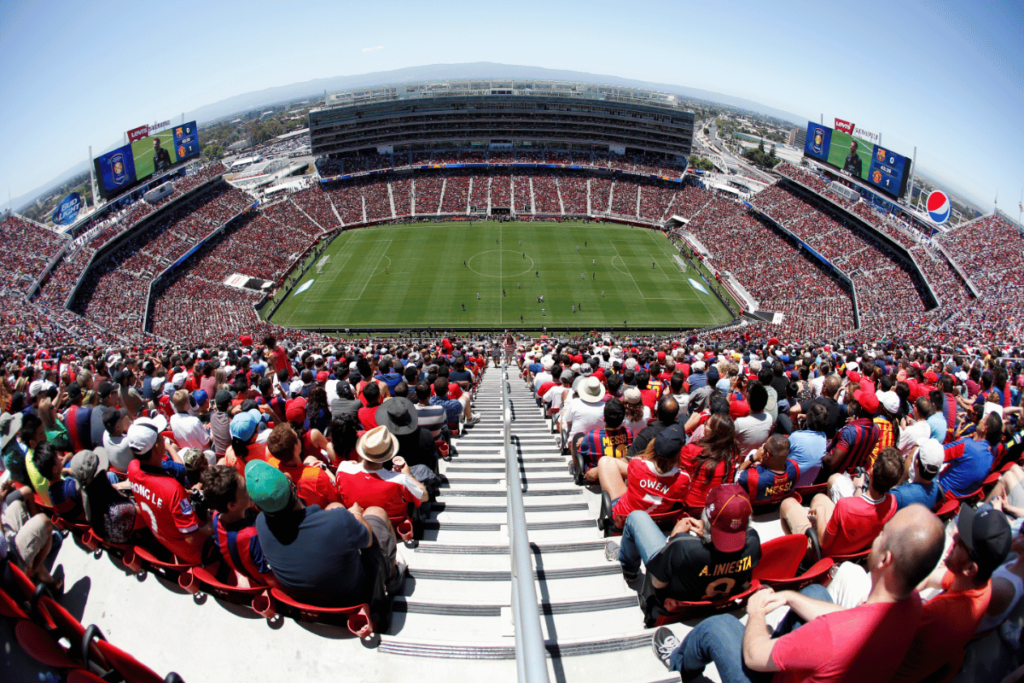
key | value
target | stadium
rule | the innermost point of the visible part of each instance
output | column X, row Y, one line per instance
column 432, row 251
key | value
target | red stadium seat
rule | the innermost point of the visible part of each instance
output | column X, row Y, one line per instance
column 780, row 564
column 198, row 580
column 358, row 619
column 120, row 663
column 670, row 611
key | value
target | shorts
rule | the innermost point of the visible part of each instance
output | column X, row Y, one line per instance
column 381, row 555
column 27, row 534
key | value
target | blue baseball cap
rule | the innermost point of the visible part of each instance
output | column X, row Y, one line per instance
column 244, row 425
column 200, row 397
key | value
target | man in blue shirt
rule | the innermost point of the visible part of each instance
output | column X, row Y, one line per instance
column 807, row 446
column 969, row 460
column 923, row 489
column 936, row 420
column 387, row 375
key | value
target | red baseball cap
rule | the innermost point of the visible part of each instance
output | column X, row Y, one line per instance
column 295, row 410
column 931, row 377
column 854, row 376
column 868, row 400
column 322, row 376
column 739, row 409
column 728, row 510
column 661, row 356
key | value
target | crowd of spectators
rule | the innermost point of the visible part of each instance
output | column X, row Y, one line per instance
column 625, row 196
column 456, row 193
column 600, row 195
column 37, row 246
column 575, row 192
column 545, row 193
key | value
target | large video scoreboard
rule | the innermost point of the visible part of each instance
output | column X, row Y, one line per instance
column 878, row 166
column 156, row 152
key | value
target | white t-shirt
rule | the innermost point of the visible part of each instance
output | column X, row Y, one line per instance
column 189, row 431
column 914, row 435
column 583, row 416
column 554, row 396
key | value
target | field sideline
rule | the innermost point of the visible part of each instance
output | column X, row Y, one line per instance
column 392, row 276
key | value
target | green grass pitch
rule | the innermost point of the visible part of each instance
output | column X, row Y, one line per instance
column 142, row 150
column 422, row 275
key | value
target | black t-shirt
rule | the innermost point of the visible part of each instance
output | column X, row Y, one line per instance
column 779, row 384
column 694, row 571
column 836, row 413
column 317, row 554
column 645, row 436
column 161, row 160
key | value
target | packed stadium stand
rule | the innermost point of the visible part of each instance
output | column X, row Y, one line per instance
column 858, row 322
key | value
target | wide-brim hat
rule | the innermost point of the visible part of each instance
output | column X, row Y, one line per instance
column 377, row 445
column 399, row 415
column 591, row 390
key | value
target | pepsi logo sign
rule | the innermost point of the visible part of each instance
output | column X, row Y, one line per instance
column 939, row 207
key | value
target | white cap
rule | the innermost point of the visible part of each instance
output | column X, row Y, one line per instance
column 179, row 380
column 931, row 455
column 890, row 400
column 143, row 433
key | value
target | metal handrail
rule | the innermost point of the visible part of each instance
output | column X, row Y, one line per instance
column 531, row 663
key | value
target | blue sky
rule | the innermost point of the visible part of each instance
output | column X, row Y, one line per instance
column 947, row 77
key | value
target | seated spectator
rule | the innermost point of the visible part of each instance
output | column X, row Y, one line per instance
column 110, row 514
column 611, row 441
column 401, row 419
column 969, row 460
column 856, row 440
column 561, row 393
column 32, row 540
column 709, row 462
column 716, row 560
column 344, row 434
column 368, row 413
column 188, row 430
column 863, row 643
column 161, row 496
column 1007, row 590
column 807, row 445
column 244, row 447
column 453, row 407
column 220, row 423
column 950, row 619
column 923, row 489
column 637, row 414
column 62, row 493
column 367, row 482
column 583, row 413
column 668, row 414
column 849, row 525
column 234, row 529
column 346, row 404
column 314, row 443
column 1009, row 492
column 315, row 486
column 754, row 429
column 770, row 475
column 322, row 557
column 652, row 481
column 115, row 444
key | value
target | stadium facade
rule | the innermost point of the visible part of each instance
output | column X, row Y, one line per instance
column 506, row 114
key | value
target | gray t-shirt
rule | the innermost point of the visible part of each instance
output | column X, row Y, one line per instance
column 220, row 432
column 118, row 452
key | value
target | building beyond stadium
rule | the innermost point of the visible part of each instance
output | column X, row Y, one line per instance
column 502, row 115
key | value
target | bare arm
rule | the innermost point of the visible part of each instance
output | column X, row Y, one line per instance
column 757, row 642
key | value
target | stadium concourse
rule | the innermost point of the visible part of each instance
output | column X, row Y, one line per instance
column 895, row 352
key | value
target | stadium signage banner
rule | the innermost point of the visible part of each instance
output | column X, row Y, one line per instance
column 67, row 210
column 136, row 134
column 845, row 126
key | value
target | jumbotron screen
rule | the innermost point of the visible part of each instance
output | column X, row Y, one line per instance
column 126, row 166
column 875, row 165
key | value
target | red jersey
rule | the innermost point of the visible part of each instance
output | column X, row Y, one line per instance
column 700, row 481
column 166, row 508
column 281, row 361
column 257, row 451
column 392, row 491
column 649, row 491
column 314, row 486
column 855, row 522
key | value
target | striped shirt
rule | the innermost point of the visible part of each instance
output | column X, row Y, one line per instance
column 433, row 418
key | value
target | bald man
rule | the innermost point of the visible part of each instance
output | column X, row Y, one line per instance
column 866, row 642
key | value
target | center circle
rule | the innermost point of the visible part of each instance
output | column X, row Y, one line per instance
column 518, row 254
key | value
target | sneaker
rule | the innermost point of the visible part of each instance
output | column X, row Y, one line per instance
column 474, row 421
column 665, row 643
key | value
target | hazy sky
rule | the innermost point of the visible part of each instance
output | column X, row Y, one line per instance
column 947, row 77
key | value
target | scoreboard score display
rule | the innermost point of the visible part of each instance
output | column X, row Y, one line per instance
column 883, row 169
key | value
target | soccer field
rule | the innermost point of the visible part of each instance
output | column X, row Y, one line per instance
column 423, row 275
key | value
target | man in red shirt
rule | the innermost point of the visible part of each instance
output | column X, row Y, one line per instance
column 314, row 485
column 849, row 525
column 279, row 354
column 160, row 495
column 369, row 484
column 950, row 619
column 864, row 643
